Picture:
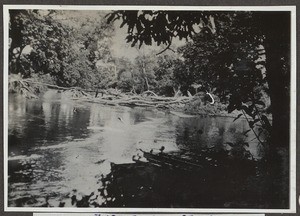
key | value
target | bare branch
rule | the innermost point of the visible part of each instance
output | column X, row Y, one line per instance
column 165, row 49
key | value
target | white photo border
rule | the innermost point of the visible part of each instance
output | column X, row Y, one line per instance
column 293, row 106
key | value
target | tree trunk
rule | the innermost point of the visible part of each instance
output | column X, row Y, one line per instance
column 276, row 28
column 277, row 45
column 280, row 101
column 145, row 77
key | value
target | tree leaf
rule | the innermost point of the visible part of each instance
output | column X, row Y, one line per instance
column 110, row 16
column 129, row 38
column 256, row 120
column 247, row 131
column 246, row 109
column 267, row 124
column 236, row 118
column 251, row 124
column 260, row 103
column 230, row 144
column 246, row 144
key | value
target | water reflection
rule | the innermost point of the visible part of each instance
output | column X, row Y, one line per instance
column 195, row 133
column 57, row 145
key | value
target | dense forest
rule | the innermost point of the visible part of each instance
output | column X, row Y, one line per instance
column 58, row 48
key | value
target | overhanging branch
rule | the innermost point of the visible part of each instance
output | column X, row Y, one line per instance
column 165, row 49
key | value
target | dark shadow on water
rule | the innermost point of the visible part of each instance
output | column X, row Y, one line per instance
column 226, row 183
column 222, row 182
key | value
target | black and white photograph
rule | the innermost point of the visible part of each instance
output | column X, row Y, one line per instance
column 153, row 109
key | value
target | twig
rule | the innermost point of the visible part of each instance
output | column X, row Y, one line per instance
column 167, row 48
column 257, row 137
column 150, row 92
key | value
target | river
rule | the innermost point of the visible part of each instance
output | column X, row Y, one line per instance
column 56, row 145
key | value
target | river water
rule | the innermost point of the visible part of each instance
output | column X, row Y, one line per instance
column 56, row 145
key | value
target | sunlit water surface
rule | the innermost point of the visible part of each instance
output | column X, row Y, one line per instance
column 56, row 145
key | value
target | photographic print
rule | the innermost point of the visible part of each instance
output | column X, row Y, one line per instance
column 164, row 109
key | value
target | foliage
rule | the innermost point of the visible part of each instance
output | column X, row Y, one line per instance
column 38, row 43
column 73, row 51
column 228, row 50
column 164, row 74
column 145, row 65
column 144, row 27
column 231, row 63
column 28, row 88
column 226, row 61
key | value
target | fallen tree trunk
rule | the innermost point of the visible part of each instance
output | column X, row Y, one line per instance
column 135, row 101
column 114, row 97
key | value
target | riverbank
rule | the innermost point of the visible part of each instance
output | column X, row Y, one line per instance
column 194, row 105
column 181, row 106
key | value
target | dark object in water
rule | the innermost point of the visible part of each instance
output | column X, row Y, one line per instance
column 61, row 204
column 162, row 149
column 170, row 161
column 81, row 201
column 100, row 161
column 207, row 162
column 120, row 119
